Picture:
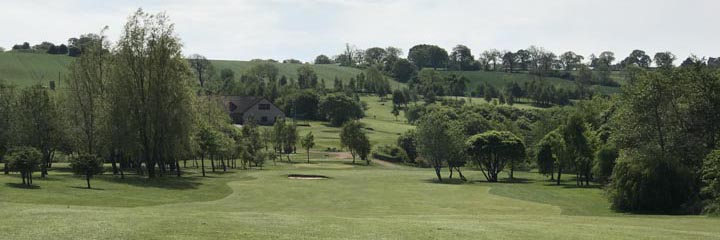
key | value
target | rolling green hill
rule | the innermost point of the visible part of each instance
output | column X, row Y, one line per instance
column 500, row 79
column 25, row 69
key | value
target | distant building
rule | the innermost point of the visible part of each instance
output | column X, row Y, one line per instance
column 241, row 109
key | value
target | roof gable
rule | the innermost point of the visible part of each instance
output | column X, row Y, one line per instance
column 241, row 104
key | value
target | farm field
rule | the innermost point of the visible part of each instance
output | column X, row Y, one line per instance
column 24, row 69
column 500, row 79
column 380, row 201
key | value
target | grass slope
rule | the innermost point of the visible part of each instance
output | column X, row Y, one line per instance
column 500, row 79
column 24, row 69
column 380, row 125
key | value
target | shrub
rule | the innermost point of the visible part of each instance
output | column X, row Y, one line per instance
column 407, row 142
column 644, row 182
column 25, row 160
column 87, row 165
column 605, row 163
column 390, row 153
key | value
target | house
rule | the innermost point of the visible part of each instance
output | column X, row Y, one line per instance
column 241, row 109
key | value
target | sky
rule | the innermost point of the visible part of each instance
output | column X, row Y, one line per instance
column 303, row 29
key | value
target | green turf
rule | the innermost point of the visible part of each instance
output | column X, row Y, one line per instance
column 357, row 202
column 380, row 125
column 24, row 69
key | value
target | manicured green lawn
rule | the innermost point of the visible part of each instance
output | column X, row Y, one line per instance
column 357, row 202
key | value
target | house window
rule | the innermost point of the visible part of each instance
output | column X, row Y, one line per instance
column 263, row 119
column 264, row 106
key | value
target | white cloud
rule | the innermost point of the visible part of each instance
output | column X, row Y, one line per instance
column 225, row 29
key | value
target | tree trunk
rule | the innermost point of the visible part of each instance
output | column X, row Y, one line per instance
column 559, row 175
column 308, row 155
column 512, row 170
column 460, row 173
column 87, row 178
column 202, row 162
column 113, row 158
column 437, row 172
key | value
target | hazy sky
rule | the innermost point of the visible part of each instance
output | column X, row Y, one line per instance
column 302, row 29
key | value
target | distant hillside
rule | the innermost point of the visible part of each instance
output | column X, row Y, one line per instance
column 324, row 71
column 25, row 69
column 500, row 79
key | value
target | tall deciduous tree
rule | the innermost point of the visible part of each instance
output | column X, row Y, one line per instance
column 151, row 90
column 638, row 58
column 570, row 60
column 493, row 150
column 338, row 109
column 664, row 60
column 424, row 55
column 435, row 139
column 87, row 96
column 7, row 116
column 461, row 58
column 354, row 139
column 201, row 66
column 40, row 123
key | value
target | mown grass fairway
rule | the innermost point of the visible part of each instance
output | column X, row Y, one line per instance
column 357, row 202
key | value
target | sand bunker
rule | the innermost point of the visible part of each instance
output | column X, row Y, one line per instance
column 307, row 177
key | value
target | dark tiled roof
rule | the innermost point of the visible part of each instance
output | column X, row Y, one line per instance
column 242, row 103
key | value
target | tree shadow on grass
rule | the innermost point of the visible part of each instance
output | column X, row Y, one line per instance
column 447, row 181
column 166, row 182
column 572, row 185
column 22, row 186
column 85, row 188
column 358, row 163
column 515, row 180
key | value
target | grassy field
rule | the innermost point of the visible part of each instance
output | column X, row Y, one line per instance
column 380, row 125
column 500, row 79
column 380, row 201
column 24, row 69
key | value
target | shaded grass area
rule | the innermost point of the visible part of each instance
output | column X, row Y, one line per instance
column 63, row 188
column 572, row 199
